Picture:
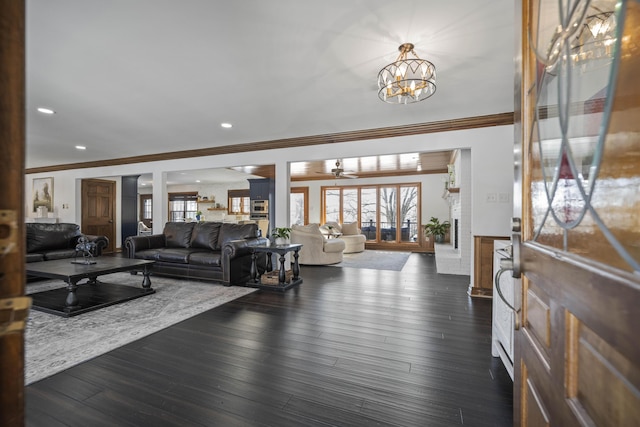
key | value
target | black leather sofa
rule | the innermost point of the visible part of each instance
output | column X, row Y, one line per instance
column 201, row 250
column 46, row 242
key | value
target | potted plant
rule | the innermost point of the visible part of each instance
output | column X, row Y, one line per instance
column 281, row 235
column 198, row 215
column 436, row 228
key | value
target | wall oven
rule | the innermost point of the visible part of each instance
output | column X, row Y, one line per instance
column 259, row 209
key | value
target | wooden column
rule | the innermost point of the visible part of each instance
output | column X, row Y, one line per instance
column 12, row 149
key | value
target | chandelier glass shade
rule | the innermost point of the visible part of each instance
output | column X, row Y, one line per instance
column 407, row 80
column 596, row 38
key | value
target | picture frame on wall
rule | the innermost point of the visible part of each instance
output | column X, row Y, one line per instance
column 42, row 194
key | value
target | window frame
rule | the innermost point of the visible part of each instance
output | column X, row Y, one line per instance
column 187, row 196
column 398, row 226
column 245, row 201
column 148, row 221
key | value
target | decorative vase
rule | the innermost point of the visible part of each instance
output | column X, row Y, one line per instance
column 281, row 241
column 197, row 217
column 439, row 238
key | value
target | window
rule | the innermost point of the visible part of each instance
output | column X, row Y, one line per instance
column 183, row 206
column 146, row 209
column 239, row 202
column 384, row 213
column 369, row 212
column 299, row 205
column 331, row 204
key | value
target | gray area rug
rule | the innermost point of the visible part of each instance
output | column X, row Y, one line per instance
column 54, row 343
column 375, row 260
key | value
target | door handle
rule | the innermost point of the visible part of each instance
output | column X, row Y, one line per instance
column 511, row 264
column 507, row 264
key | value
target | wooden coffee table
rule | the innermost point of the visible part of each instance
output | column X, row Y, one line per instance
column 77, row 298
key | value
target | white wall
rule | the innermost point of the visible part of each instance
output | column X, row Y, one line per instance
column 491, row 172
column 492, row 188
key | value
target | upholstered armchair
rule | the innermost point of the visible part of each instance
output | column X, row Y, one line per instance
column 349, row 232
column 316, row 249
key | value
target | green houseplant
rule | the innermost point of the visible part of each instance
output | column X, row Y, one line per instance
column 436, row 228
column 281, row 234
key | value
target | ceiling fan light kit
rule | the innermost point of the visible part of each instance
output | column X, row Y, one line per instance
column 407, row 80
column 339, row 172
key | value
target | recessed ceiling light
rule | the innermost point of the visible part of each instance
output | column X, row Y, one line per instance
column 46, row 110
column 226, row 125
column 197, row 180
column 80, row 147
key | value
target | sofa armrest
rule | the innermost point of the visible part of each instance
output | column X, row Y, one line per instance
column 237, row 259
column 236, row 248
column 140, row 243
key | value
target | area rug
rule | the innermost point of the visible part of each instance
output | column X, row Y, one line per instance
column 54, row 343
column 375, row 260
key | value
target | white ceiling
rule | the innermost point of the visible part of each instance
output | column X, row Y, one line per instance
column 136, row 77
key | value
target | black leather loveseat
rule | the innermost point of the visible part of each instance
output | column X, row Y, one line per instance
column 201, row 250
column 46, row 242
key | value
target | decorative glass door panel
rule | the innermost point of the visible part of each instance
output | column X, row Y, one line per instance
column 576, row 179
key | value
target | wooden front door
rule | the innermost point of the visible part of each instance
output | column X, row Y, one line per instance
column 13, row 304
column 577, row 354
column 98, row 209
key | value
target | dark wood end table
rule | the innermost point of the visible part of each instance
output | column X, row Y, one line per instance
column 281, row 250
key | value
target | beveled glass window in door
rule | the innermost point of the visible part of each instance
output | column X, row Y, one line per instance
column 581, row 200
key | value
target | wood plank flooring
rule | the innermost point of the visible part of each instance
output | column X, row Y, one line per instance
column 349, row 347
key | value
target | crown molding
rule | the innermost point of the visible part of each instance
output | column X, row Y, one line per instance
column 500, row 119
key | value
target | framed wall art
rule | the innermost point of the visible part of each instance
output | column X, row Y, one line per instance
column 42, row 194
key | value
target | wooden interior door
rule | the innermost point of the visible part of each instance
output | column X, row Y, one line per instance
column 577, row 354
column 98, row 209
column 13, row 304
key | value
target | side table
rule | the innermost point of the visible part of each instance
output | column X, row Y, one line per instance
column 281, row 250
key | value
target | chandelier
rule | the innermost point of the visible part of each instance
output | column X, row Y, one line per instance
column 407, row 80
column 596, row 38
column 590, row 44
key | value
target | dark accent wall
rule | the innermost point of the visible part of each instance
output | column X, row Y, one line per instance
column 129, row 209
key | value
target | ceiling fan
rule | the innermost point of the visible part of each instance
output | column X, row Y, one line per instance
column 339, row 172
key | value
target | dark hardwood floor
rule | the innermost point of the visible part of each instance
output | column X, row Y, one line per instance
column 349, row 347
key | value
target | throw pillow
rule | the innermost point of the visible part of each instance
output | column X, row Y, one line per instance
column 309, row 228
column 350, row 228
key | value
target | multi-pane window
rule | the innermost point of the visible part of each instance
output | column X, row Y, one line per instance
column 146, row 209
column 239, row 202
column 183, row 206
column 384, row 213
